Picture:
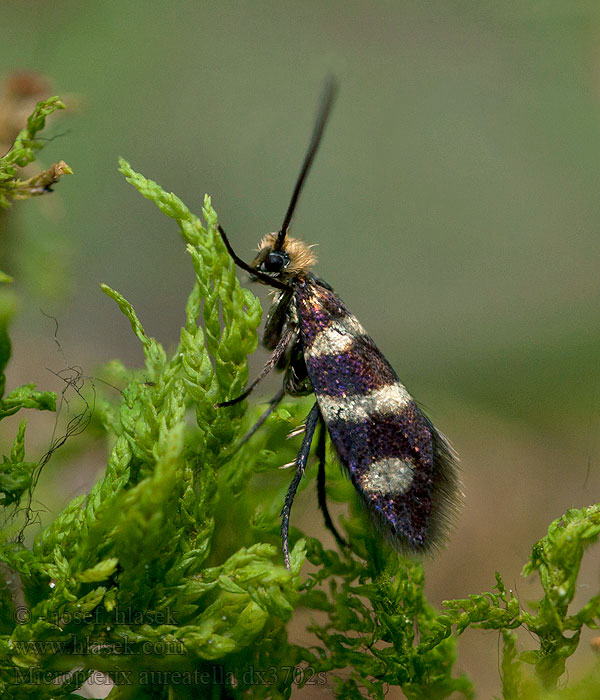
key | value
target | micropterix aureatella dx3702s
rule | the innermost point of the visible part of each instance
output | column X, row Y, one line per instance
column 403, row 469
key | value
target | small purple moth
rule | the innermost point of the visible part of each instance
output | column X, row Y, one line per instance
column 403, row 469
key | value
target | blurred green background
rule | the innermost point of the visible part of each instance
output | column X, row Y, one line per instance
column 455, row 203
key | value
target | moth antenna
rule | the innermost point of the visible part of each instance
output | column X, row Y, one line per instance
column 328, row 97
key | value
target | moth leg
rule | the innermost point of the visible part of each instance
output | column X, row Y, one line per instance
column 271, row 362
column 302, row 457
column 273, row 403
column 321, row 494
column 276, row 320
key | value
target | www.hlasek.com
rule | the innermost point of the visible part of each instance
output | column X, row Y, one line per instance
column 85, row 645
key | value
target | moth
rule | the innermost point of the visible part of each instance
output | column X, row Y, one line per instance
column 402, row 468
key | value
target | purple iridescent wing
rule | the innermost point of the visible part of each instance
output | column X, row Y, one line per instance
column 401, row 466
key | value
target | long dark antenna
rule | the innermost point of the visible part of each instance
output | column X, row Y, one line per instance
column 327, row 100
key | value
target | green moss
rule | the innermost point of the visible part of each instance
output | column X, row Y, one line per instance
column 23, row 153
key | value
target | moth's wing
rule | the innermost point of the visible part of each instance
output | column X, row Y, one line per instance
column 401, row 466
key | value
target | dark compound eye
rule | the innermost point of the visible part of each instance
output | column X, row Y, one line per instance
column 275, row 261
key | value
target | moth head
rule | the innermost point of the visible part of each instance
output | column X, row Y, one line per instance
column 283, row 259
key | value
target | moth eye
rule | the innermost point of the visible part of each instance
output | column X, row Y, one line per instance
column 275, row 261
